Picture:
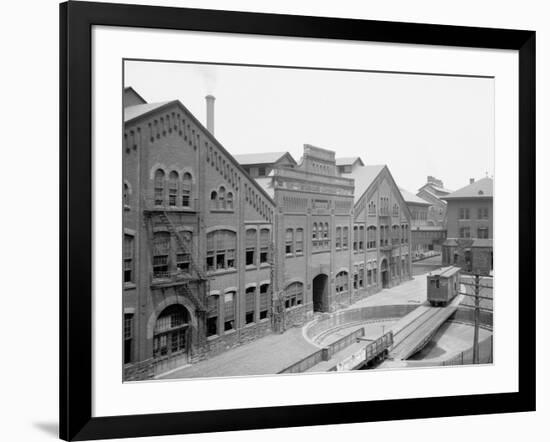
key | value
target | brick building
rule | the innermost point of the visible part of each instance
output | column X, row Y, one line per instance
column 425, row 236
column 434, row 192
column 470, row 225
column 214, row 258
column 261, row 164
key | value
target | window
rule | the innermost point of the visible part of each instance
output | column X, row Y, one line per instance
column 220, row 250
column 183, row 254
column 159, row 187
column 483, row 232
column 361, row 237
column 483, row 213
column 355, row 277
column 299, row 241
column 369, row 276
column 342, row 282
column 325, row 236
column 230, row 201
column 170, row 334
column 338, row 244
column 264, row 246
column 345, row 238
column 465, row 232
column 261, row 171
column 314, row 235
column 264, row 301
column 361, row 276
column 372, row 208
column 213, row 199
column 128, row 335
column 464, row 213
column 161, row 252
column 251, row 244
column 172, row 188
column 126, row 195
column 128, row 258
column 186, row 189
column 229, row 311
column 396, row 235
column 289, row 241
column 355, row 238
column 250, row 305
column 294, row 294
column 221, row 198
column 213, row 302
column 371, row 237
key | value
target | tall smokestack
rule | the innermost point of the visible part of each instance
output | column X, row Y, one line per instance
column 210, row 113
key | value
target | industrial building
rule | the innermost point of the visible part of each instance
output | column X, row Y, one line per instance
column 218, row 253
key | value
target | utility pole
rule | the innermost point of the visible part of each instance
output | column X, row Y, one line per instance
column 475, row 356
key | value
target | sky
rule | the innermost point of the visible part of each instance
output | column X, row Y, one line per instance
column 418, row 125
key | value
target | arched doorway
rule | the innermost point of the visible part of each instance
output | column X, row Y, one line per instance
column 320, row 293
column 384, row 273
column 171, row 338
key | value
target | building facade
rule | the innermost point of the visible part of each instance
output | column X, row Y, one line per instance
column 426, row 238
column 214, row 258
column 434, row 192
column 469, row 240
column 198, row 238
column 261, row 164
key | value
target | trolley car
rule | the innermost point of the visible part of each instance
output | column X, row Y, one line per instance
column 443, row 285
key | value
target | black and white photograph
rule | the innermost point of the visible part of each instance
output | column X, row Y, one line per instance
column 296, row 220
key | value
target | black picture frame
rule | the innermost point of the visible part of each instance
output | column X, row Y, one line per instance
column 76, row 21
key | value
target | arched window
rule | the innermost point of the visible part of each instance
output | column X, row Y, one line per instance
column 186, row 185
column 299, row 241
column 294, row 294
column 161, row 253
column 251, row 246
column 172, row 188
column 213, row 199
column 229, row 311
column 264, row 301
column 325, row 236
column 355, row 238
column 126, row 195
column 159, row 187
column 264, row 246
column 314, row 235
column 371, row 237
column 170, row 335
column 230, row 200
column 361, row 237
column 221, row 198
column 220, row 249
column 128, row 258
column 184, row 250
column 213, row 302
column 250, row 305
column 345, row 237
column 342, row 282
column 289, row 242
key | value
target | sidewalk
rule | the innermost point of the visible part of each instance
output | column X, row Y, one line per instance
column 275, row 352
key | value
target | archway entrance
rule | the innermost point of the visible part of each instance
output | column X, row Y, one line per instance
column 384, row 273
column 171, row 339
column 320, row 293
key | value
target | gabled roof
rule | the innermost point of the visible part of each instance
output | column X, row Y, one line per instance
column 412, row 198
column 132, row 112
column 129, row 91
column 482, row 188
column 436, row 188
column 349, row 161
column 262, row 158
column 364, row 177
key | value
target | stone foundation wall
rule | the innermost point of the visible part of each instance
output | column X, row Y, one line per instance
column 235, row 338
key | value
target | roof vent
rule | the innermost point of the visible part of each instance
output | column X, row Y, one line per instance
column 480, row 192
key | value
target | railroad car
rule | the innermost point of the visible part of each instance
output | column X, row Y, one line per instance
column 443, row 285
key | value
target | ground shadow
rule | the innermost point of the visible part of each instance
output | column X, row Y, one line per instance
column 51, row 428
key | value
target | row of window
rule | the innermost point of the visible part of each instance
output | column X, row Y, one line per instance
column 482, row 213
column 256, row 309
column 175, row 192
column 172, row 123
column 220, row 200
column 482, row 232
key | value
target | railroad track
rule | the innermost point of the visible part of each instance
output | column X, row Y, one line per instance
column 414, row 326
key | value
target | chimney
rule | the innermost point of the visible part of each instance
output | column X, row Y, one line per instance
column 472, row 180
column 210, row 113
